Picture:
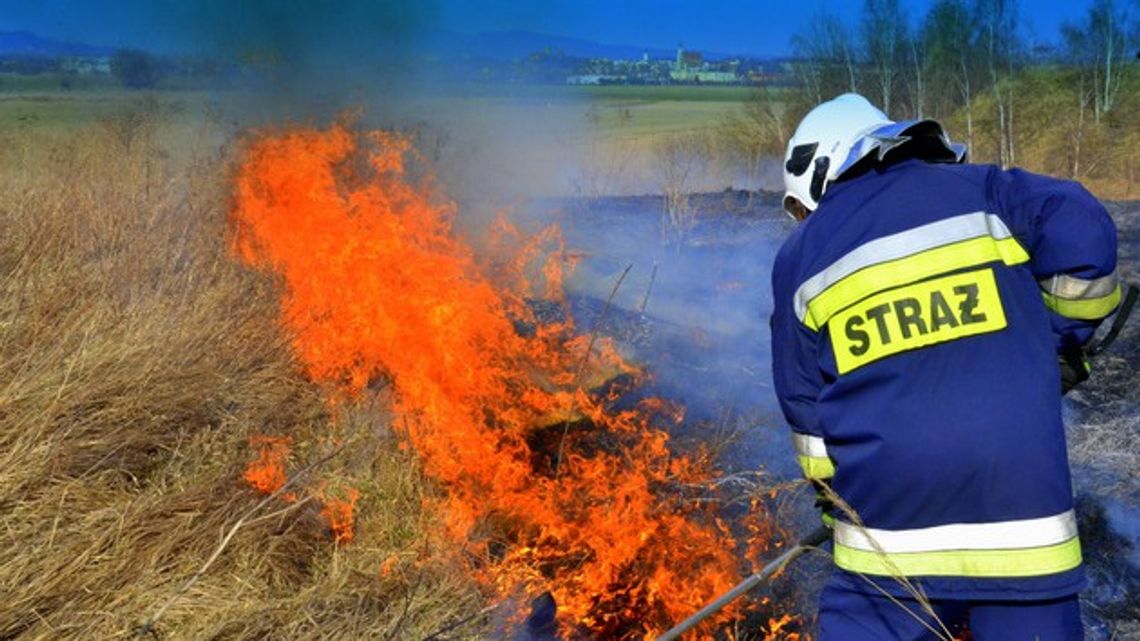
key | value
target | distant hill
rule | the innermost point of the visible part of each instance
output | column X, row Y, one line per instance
column 29, row 45
column 492, row 46
column 513, row 45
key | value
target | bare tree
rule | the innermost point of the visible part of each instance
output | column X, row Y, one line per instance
column 1000, row 42
column 949, row 35
column 918, row 60
column 840, row 50
column 828, row 61
column 1099, row 46
column 884, row 42
column 807, row 67
column 680, row 160
column 761, row 128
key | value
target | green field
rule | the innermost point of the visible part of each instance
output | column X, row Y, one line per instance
column 627, row 110
column 145, row 368
column 636, row 93
column 534, row 139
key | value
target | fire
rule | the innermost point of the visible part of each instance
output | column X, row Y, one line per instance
column 776, row 626
column 267, row 473
column 545, row 485
column 338, row 514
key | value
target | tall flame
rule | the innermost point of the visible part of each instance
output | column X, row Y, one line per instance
column 545, row 485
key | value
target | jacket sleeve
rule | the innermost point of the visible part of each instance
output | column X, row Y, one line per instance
column 1071, row 240
column 796, row 376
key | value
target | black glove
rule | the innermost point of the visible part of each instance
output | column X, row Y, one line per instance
column 823, row 501
column 1074, row 368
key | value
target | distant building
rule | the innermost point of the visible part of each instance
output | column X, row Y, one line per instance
column 690, row 67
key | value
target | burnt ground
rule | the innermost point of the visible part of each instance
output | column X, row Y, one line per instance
column 1103, row 420
column 695, row 311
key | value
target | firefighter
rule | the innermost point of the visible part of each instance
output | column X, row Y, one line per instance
column 921, row 310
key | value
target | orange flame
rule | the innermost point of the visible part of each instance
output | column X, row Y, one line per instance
column 776, row 626
column 267, row 473
column 546, row 487
column 338, row 512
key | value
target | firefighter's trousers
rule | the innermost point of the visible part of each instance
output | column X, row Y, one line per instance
column 846, row 615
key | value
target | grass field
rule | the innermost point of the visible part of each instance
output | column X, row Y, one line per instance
column 627, row 110
column 637, row 93
column 137, row 361
column 139, row 364
column 53, row 82
column 670, row 106
column 591, row 141
column 506, row 141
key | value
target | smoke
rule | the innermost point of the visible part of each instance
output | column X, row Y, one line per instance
column 311, row 54
column 695, row 312
column 394, row 65
column 702, row 304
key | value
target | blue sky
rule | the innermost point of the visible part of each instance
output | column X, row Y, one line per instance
column 723, row 25
column 729, row 26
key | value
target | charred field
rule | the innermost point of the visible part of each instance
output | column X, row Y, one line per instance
column 686, row 350
column 209, row 433
column 191, row 449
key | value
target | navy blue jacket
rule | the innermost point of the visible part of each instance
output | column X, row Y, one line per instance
column 918, row 316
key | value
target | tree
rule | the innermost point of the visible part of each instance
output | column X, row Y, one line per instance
column 680, row 159
column 828, row 63
column 999, row 46
column 761, row 128
column 136, row 69
column 919, row 62
column 949, row 35
column 1100, row 47
column 884, row 43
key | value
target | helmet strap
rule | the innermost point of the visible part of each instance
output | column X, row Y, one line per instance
column 796, row 209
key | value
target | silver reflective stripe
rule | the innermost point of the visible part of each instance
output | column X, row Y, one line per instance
column 808, row 445
column 900, row 245
column 1001, row 535
column 1073, row 288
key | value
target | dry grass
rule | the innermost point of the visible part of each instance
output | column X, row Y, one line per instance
column 136, row 360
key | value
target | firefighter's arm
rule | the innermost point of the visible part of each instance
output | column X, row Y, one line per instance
column 1071, row 241
column 797, row 381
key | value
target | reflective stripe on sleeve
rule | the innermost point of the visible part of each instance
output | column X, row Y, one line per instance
column 1087, row 309
column 1079, row 298
column 1030, row 547
column 1073, row 288
column 899, row 259
column 811, row 453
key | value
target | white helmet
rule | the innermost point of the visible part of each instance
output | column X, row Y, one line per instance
column 839, row 133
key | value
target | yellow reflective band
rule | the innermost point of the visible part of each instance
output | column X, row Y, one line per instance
column 897, row 246
column 918, row 266
column 968, row 563
column 816, row 467
column 1085, row 308
column 920, row 315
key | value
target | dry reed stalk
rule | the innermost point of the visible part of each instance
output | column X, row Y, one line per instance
column 136, row 361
